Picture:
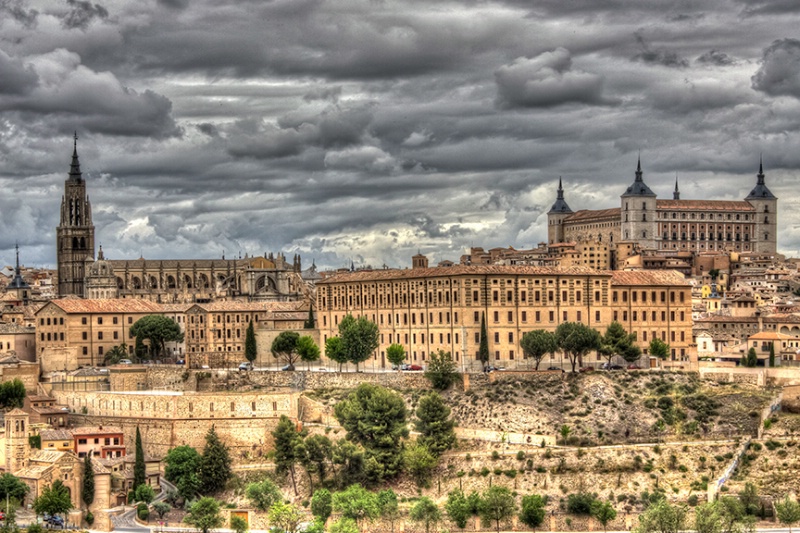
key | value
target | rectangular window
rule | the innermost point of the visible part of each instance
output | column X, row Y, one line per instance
column 511, row 316
column 99, row 320
column 524, row 316
column 510, row 336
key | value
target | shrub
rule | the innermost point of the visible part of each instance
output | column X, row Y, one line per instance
column 142, row 511
column 520, row 455
column 35, row 528
column 495, row 455
column 580, row 503
column 89, row 518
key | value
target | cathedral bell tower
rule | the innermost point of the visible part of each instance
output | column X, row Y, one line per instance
column 75, row 232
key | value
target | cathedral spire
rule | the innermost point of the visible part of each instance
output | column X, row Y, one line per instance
column 676, row 195
column 760, row 191
column 560, row 205
column 75, row 166
column 639, row 168
column 760, row 175
column 16, row 247
column 639, row 187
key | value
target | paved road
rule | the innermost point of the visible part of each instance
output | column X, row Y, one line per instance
column 127, row 520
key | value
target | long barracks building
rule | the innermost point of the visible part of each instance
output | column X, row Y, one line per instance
column 427, row 309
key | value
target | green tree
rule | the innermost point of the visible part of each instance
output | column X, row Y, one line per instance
column 442, row 371
column 483, row 349
column 159, row 330
column 359, row 338
column 564, row 430
column 334, row 350
column 322, row 504
column 161, row 509
column 284, row 348
column 204, row 514
column 115, row 354
column 707, row 518
column 458, row 508
column 580, row 503
column 310, row 323
column 752, row 359
column 144, row 493
column 661, row 517
column 434, row 424
column 532, row 511
column 603, row 512
column 284, row 515
column 396, row 354
column 788, row 512
column 250, row 346
column 87, row 491
column 750, row 499
column 771, row 354
column 419, row 462
column 426, row 512
column 139, row 470
column 12, row 487
column 344, row 525
column 53, row 500
column 497, row 505
column 263, row 494
column 538, row 343
column 238, row 524
column 350, row 459
column 375, row 417
column 576, row 340
column 388, row 507
column 12, row 394
column 287, row 439
column 182, row 464
column 307, row 349
column 215, row 463
column 318, row 453
column 356, row 503
column 658, row 348
column 617, row 341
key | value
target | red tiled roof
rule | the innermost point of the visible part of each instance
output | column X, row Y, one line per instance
column 705, row 205
column 647, row 277
column 591, row 214
column 459, row 270
column 250, row 306
column 114, row 305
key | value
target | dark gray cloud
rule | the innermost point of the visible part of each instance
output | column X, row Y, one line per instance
column 546, row 80
column 369, row 130
column 82, row 13
column 779, row 73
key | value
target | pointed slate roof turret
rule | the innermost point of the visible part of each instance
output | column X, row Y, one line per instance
column 639, row 188
column 18, row 282
column 560, row 205
column 676, row 195
column 75, row 166
column 760, row 191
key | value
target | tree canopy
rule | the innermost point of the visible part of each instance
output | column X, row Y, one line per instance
column 426, row 512
column 204, row 514
column 215, row 463
column 284, row 348
column 396, row 354
column 434, row 424
column 576, row 340
column 285, row 516
column 12, row 487
column 159, row 330
column 53, row 500
column 375, row 417
column 359, row 338
column 442, row 371
column 356, row 503
column 788, row 511
column 532, row 512
column 658, row 348
column 617, row 341
column 12, row 394
column 263, row 494
column 250, row 346
column 182, row 463
column 307, row 349
column 458, row 508
column 483, row 349
column 139, row 471
column 87, row 491
column 662, row 517
column 538, row 343
column 287, row 440
column 497, row 505
column 334, row 350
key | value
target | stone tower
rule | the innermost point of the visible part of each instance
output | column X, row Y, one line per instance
column 16, row 440
column 75, row 233
column 766, row 205
column 639, row 212
column 556, row 216
column 419, row 261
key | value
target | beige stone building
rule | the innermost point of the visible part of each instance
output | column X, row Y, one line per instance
column 19, row 339
column 73, row 332
column 427, row 309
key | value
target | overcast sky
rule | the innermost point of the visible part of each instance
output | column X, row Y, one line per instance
column 373, row 129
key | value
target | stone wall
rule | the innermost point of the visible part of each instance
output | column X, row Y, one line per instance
column 752, row 376
column 27, row 373
column 243, row 420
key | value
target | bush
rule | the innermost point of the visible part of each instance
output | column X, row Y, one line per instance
column 580, row 503
column 35, row 528
column 142, row 511
column 520, row 455
column 89, row 518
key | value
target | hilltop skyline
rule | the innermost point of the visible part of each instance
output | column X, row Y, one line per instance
column 373, row 130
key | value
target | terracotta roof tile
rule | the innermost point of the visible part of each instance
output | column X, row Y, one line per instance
column 705, row 205
column 250, row 306
column 585, row 215
column 458, row 270
column 113, row 305
column 647, row 277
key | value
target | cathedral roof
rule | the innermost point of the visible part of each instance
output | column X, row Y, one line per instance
column 639, row 187
column 560, row 205
column 760, row 191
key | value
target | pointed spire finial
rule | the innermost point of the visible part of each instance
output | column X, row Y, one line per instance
column 639, row 168
column 16, row 247
column 75, row 166
column 677, row 194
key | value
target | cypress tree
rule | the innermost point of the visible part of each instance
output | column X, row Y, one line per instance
column 483, row 351
column 250, row 350
column 139, row 472
column 772, row 354
column 310, row 320
column 88, row 481
column 215, row 463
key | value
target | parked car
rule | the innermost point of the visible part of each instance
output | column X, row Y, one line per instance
column 404, row 366
column 555, row 368
column 586, row 369
column 607, row 366
column 287, row 368
column 494, row 368
column 180, row 362
column 247, row 365
column 125, row 362
column 410, row 367
column 634, row 367
column 54, row 520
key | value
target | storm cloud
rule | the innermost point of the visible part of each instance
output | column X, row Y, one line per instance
column 368, row 131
